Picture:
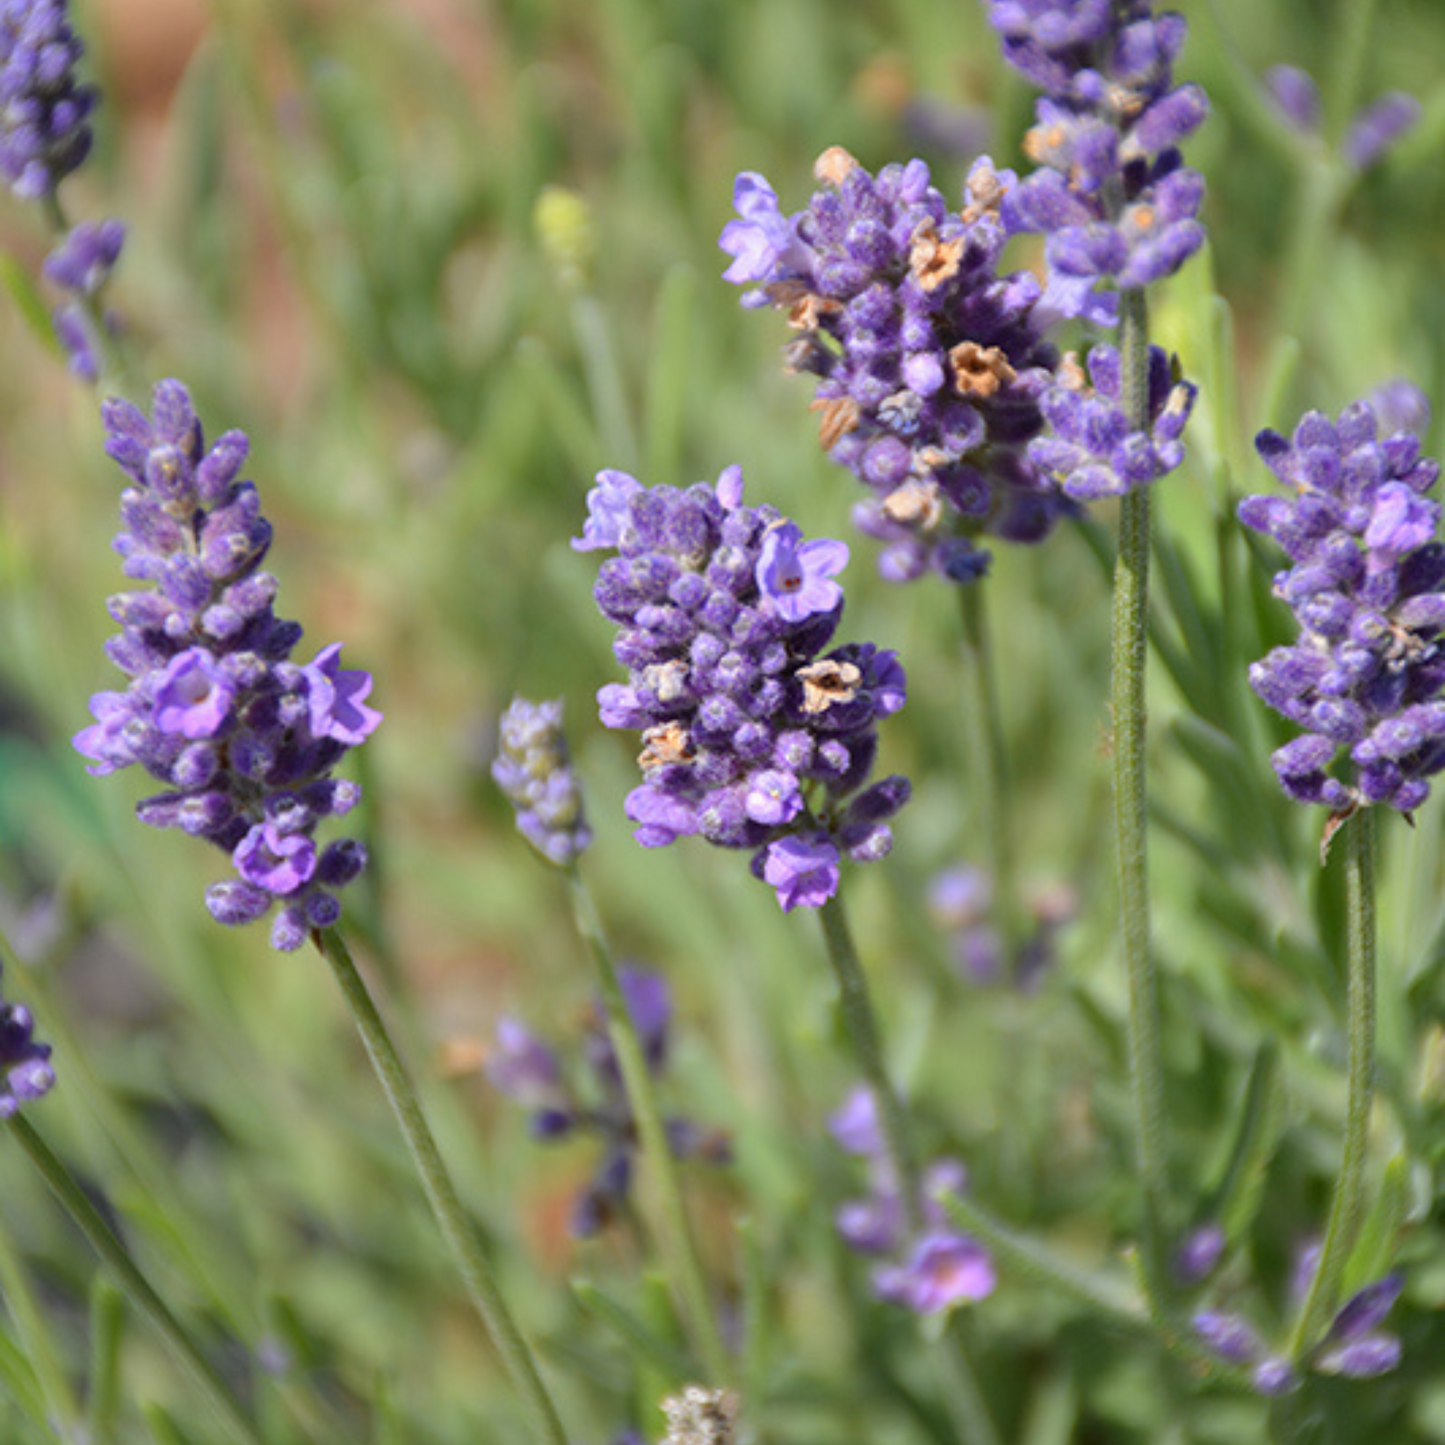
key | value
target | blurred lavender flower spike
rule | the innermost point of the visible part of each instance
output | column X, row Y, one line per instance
column 1355, row 1345
column 1378, row 126
column 929, row 363
column 1112, row 194
column 81, row 264
column 591, row 1099
column 932, row 1271
column 534, row 770
column 243, row 740
column 1400, row 405
column 1368, row 590
column 1199, row 1254
column 1295, row 96
column 44, row 133
column 25, row 1072
column 752, row 736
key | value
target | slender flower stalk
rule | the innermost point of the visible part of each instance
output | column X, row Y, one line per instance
column 678, row 1239
column 1348, row 1204
column 1130, row 664
column 457, row 1230
column 127, row 1275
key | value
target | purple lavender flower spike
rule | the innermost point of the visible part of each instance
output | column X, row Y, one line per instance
column 1229, row 1336
column 1368, row 590
column 753, row 736
column 1111, row 193
column 25, row 1071
column 44, row 113
column 565, row 1101
column 1355, row 1346
column 1378, row 126
column 1199, row 1254
column 855, row 1125
column 242, row 740
column 534, row 770
column 929, row 362
column 83, row 261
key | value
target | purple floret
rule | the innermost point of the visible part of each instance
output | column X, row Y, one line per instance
column 243, row 740
column 752, row 736
column 1367, row 587
column 25, row 1071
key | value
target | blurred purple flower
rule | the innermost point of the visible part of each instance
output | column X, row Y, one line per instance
column 534, row 769
column 25, row 1071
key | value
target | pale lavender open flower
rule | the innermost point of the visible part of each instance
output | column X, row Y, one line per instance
column 944, row 1269
column 803, row 871
column 796, row 576
column 337, row 699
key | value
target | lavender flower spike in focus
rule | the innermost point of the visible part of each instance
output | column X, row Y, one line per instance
column 25, row 1072
column 1368, row 590
column 534, row 770
column 753, row 737
column 930, row 363
column 243, row 740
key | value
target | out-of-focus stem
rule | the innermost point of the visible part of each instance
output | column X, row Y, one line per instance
column 127, row 1275
column 679, row 1242
column 457, row 1229
column 1348, row 1205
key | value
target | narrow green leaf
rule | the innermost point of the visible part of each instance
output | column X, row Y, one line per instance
column 1375, row 1247
column 31, row 304
column 757, row 1311
column 638, row 1336
column 670, row 374
column 1053, row 1411
column 107, row 1329
column 19, row 1381
column 1235, row 1200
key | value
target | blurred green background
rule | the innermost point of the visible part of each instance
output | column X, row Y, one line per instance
column 333, row 243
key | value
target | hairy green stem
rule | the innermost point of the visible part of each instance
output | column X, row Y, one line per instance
column 456, row 1227
column 989, row 776
column 679, row 1242
column 127, row 1275
column 964, row 1396
column 1348, row 1205
column 1130, row 659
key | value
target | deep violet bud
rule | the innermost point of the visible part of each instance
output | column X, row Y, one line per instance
column 1367, row 672
column 25, row 1071
column 752, row 735
column 534, row 770
column 244, row 740
column 44, row 113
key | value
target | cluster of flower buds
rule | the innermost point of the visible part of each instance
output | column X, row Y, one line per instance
column 529, row 1072
column 753, row 737
column 25, row 1072
column 1354, row 1345
column 44, row 136
column 1370, row 134
column 930, row 363
column 938, row 1268
column 1111, row 194
column 533, row 768
column 243, row 739
column 1368, row 590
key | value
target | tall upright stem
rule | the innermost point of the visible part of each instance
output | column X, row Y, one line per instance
column 1130, row 656
column 127, row 1275
column 966, row 1400
column 1348, row 1205
column 679, row 1243
column 441, row 1194
column 989, row 779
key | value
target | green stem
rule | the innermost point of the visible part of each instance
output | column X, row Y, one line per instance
column 1348, row 1205
column 862, row 1026
column 679, row 1242
column 127, row 1275
column 965, row 1397
column 451, row 1217
column 989, row 777
column 1130, row 659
